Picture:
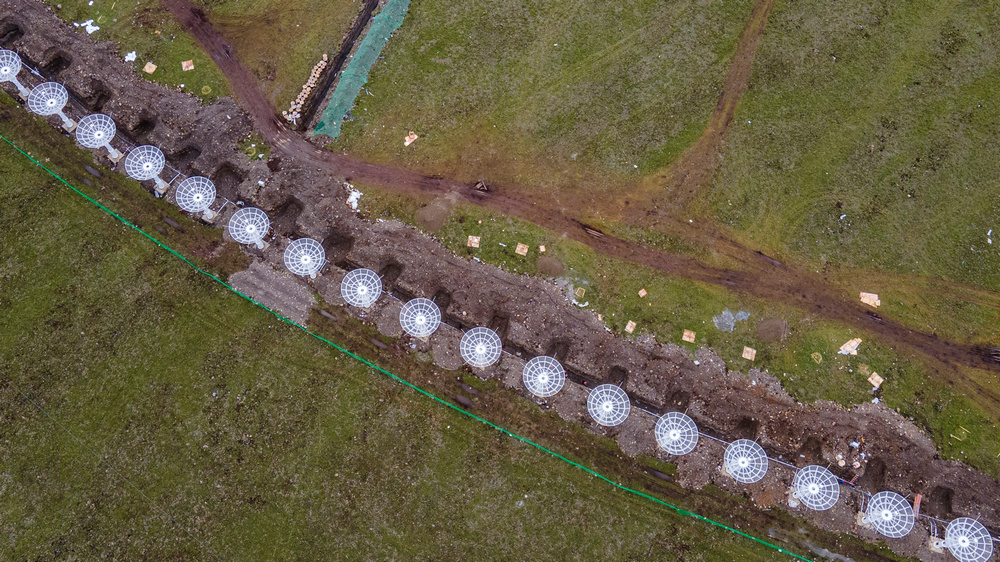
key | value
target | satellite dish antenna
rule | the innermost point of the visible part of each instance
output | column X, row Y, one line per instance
column 96, row 131
column 305, row 256
column 249, row 225
column 480, row 347
column 746, row 461
column 968, row 540
column 889, row 514
column 420, row 317
column 608, row 405
column 195, row 195
column 676, row 433
column 816, row 487
column 49, row 98
column 145, row 163
column 361, row 288
column 10, row 65
column 543, row 376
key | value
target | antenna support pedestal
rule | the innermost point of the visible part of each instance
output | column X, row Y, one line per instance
column 161, row 187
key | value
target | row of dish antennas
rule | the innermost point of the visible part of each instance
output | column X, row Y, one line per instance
column 815, row 487
column 96, row 131
column 888, row 513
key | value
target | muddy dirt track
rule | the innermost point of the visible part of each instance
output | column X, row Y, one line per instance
column 763, row 277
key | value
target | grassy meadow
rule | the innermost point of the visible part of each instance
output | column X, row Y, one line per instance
column 563, row 95
column 868, row 139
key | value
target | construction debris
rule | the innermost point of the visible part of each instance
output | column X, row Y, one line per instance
column 149, row 68
column 473, row 241
column 521, row 249
column 749, row 353
column 727, row 320
column 851, row 347
column 875, row 380
column 294, row 112
column 688, row 336
column 871, row 299
column 630, row 327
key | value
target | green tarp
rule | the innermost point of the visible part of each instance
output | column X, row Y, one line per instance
column 356, row 74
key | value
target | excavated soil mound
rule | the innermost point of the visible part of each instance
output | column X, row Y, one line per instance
column 550, row 267
column 772, row 329
column 432, row 216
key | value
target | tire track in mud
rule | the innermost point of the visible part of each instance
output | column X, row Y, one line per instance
column 763, row 277
column 684, row 177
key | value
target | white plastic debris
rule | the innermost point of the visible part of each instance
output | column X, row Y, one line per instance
column 353, row 198
column 130, row 57
column 88, row 25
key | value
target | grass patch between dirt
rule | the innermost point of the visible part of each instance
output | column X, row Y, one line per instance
column 133, row 26
column 611, row 289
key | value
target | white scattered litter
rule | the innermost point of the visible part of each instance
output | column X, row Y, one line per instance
column 352, row 199
column 88, row 25
column 855, row 444
column 130, row 57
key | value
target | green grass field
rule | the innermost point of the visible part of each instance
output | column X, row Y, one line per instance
column 565, row 94
column 868, row 139
column 147, row 28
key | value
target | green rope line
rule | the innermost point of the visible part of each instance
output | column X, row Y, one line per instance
column 398, row 379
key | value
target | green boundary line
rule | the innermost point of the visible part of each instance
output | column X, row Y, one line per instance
column 396, row 378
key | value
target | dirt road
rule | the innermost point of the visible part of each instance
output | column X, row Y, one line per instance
column 762, row 276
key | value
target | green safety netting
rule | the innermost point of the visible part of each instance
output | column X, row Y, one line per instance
column 355, row 75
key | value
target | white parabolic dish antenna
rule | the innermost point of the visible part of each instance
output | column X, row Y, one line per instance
column 480, row 347
column 195, row 194
column 49, row 98
column 145, row 163
column 676, row 433
column 889, row 514
column 968, row 540
column 746, row 461
column 816, row 487
column 543, row 376
column 608, row 405
column 420, row 317
column 96, row 131
column 361, row 288
column 249, row 225
column 305, row 256
column 10, row 65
